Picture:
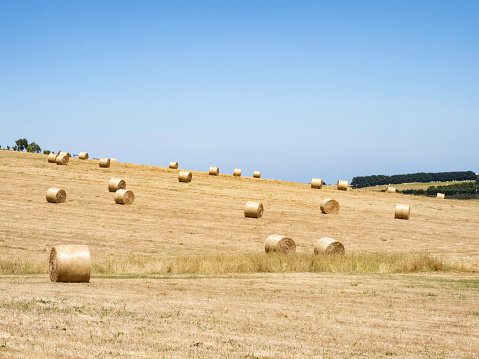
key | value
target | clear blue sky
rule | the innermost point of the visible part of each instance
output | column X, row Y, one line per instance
column 296, row 89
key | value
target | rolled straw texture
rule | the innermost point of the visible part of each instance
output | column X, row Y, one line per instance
column 62, row 160
column 124, row 196
column 402, row 211
column 112, row 160
column 52, row 157
column 329, row 206
column 328, row 245
column 56, row 195
column 441, row 196
column 317, row 183
column 173, row 165
column 390, row 190
column 65, row 153
column 253, row 209
column 185, row 176
column 214, row 171
column 83, row 156
column 256, row 174
column 104, row 162
column 342, row 185
column 115, row 184
column 279, row 244
column 70, row 263
column 237, row 172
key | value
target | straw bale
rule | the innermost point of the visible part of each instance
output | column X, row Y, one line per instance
column 65, row 154
column 214, row 171
column 280, row 244
column 185, row 176
column 173, row 165
column 390, row 190
column 441, row 196
column 237, row 172
column 256, row 174
column 342, row 185
column 83, row 155
column 62, row 160
column 56, row 195
column 402, row 211
column 70, row 263
column 124, row 196
column 317, row 183
column 328, row 245
column 104, row 162
column 115, row 184
column 52, row 157
column 112, row 160
column 253, row 209
column 329, row 206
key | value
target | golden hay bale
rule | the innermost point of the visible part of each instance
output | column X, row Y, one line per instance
column 441, row 196
column 329, row 206
column 328, row 245
column 317, row 183
column 104, row 162
column 173, row 165
column 65, row 154
column 279, row 244
column 62, row 160
column 115, row 184
column 83, row 156
column 56, row 195
column 185, row 176
column 256, row 174
column 70, row 263
column 402, row 211
column 342, row 185
column 214, row 171
column 112, row 160
column 237, row 172
column 52, row 157
column 390, row 190
column 253, row 209
column 124, row 196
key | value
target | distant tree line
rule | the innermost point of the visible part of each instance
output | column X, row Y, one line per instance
column 379, row 180
column 22, row 145
column 464, row 190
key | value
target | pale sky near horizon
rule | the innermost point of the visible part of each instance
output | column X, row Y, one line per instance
column 295, row 89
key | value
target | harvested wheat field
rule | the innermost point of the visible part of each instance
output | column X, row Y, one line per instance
column 181, row 273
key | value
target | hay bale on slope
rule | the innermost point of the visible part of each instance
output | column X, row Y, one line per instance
column 317, row 183
column 256, row 174
column 124, row 196
column 440, row 195
column 70, row 263
column 56, row 195
column 115, row 184
column 185, row 176
column 62, row 160
column 237, row 172
column 390, row 190
column 83, row 155
column 329, row 206
column 328, row 245
column 63, row 153
column 280, row 244
column 253, row 209
column 342, row 185
column 173, row 165
column 52, row 157
column 214, row 171
column 402, row 211
column 104, row 162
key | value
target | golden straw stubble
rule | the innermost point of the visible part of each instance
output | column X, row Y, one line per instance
column 70, row 263
column 124, row 196
column 253, row 209
column 214, row 171
column 104, row 163
column 56, row 195
column 115, row 184
column 402, row 211
column 329, row 206
column 83, row 156
column 279, row 244
column 317, row 183
column 237, row 172
column 62, row 159
column 328, row 245
column 185, row 176
column 173, row 165
column 342, row 185
column 256, row 174
column 52, row 157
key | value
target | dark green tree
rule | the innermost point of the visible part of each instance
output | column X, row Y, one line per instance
column 21, row 144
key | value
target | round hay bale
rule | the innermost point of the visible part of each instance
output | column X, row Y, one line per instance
column 237, row 172
column 52, row 157
column 124, row 196
column 441, row 196
column 104, row 162
column 390, row 190
column 253, row 209
column 328, row 245
column 65, row 154
column 342, row 185
column 317, row 183
column 214, row 171
column 256, row 174
column 329, row 206
column 70, row 263
column 185, row 176
column 83, row 156
column 115, row 184
column 62, row 160
column 112, row 160
column 402, row 211
column 280, row 244
column 173, row 165
column 56, row 195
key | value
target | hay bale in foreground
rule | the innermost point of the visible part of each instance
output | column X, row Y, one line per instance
column 402, row 211
column 342, row 185
column 83, row 155
column 440, row 195
column 279, row 244
column 329, row 206
column 253, row 209
column 257, row 174
column 62, row 160
column 104, row 162
column 70, row 263
column 52, row 157
column 317, row 183
column 328, row 245
column 56, row 195
column 390, row 190
column 214, row 171
column 185, row 176
column 115, row 184
column 237, row 172
column 173, row 165
column 124, row 196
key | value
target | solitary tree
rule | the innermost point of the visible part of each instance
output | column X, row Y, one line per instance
column 22, row 144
